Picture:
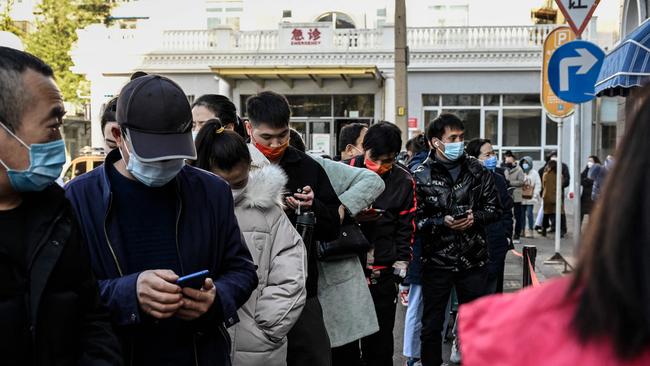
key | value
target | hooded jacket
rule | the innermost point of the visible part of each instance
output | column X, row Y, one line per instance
column 533, row 178
column 279, row 253
column 438, row 196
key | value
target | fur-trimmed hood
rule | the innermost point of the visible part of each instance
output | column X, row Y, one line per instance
column 265, row 188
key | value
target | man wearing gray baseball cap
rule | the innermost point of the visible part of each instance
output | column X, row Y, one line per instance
column 150, row 220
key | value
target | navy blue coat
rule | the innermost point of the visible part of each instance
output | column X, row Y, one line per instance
column 208, row 238
column 414, row 275
column 499, row 233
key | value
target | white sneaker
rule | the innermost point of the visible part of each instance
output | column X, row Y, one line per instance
column 455, row 352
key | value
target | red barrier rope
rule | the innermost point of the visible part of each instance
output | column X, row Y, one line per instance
column 533, row 275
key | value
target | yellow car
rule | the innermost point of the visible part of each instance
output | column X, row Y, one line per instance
column 89, row 160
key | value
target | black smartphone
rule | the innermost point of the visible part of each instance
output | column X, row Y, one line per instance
column 194, row 280
column 460, row 216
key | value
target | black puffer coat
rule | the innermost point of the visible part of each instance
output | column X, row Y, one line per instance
column 439, row 196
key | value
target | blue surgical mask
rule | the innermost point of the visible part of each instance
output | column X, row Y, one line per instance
column 194, row 134
column 490, row 163
column 45, row 165
column 154, row 174
column 525, row 166
column 454, row 150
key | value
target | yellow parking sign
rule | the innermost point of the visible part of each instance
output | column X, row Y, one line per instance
column 554, row 106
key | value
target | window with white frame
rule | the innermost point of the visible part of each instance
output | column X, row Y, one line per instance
column 513, row 122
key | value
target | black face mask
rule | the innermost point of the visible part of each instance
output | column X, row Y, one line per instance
column 510, row 165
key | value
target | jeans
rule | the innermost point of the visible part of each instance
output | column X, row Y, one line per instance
column 519, row 219
column 413, row 322
column 377, row 349
column 528, row 213
column 436, row 287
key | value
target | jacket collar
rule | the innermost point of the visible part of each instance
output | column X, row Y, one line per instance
column 291, row 156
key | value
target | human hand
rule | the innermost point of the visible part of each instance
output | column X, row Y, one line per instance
column 197, row 302
column 303, row 200
column 158, row 294
column 462, row 224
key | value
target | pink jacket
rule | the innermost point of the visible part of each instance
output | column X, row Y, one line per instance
column 531, row 327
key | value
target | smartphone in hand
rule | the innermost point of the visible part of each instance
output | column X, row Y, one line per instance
column 194, row 280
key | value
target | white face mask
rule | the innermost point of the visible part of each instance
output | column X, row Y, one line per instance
column 590, row 164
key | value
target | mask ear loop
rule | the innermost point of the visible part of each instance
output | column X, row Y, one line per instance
column 17, row 138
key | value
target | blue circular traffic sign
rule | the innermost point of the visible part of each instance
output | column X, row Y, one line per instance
column 573, row 71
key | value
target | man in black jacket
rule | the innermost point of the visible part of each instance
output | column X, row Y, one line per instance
column 457, row 200
column 390, row 233
column 49, row 301
column 309, row 188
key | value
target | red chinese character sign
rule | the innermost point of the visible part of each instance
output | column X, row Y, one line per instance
column 577, row 13
column 305, row 35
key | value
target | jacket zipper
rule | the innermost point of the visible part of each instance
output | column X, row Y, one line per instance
column 108, row 241
column 178, row 248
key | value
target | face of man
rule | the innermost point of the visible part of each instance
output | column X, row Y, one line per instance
column 449, row 136
column 355, row 150
column 268, row 136
column 109, row 140
column 39, row 124
column 486, row 152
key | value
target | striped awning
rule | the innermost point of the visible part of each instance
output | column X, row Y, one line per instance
column 627, row 65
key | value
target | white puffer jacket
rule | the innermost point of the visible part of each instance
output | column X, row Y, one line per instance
column 278, row 251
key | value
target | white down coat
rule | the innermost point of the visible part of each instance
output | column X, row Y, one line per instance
column 278, row 251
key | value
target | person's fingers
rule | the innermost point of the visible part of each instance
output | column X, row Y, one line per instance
column 164, row 308
column 166, row 275
column 159, row 315
column 306, row 189
column 163, row 297
column 303, row 197
column 292, row 202
column 161, row 285
column 197, row 306
column 208, row 284
column 194, row 294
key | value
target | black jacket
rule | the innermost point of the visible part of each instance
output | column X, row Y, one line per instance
column 304, row 171
column 414, row 275
column 64, row 322
column 499, row 234
column 439, row 196
column 392, row 234
column 586, row 204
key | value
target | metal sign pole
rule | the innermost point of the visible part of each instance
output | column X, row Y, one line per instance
column 577, row 177
column 558, row 189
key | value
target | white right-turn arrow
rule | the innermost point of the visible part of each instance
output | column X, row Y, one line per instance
column 586, row 61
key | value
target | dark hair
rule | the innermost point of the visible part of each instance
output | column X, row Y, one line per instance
column 417, row 144
column 219, row 148
column 110, row 111
column 595, row 159
column 269, row 108
column 612, row 277
column 551, row 166
column 295, row 140
column 138, row 74
column 444, row 121
column 15, row 98
column 349, row 135
column 473, row 147
column 548, row 157
column 383, row 138
column 508, row 154
column 220, row 106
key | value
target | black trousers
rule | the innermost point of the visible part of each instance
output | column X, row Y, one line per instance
column 347, row 355
column 308, row 342
column 377, row 349
column 436, row 288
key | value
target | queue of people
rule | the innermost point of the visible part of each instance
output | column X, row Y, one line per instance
column 206, row 239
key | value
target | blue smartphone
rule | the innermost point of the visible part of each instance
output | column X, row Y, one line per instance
column 194, row 280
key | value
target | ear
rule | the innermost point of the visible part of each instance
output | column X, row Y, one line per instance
column 117, row 134
column 249, row 127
